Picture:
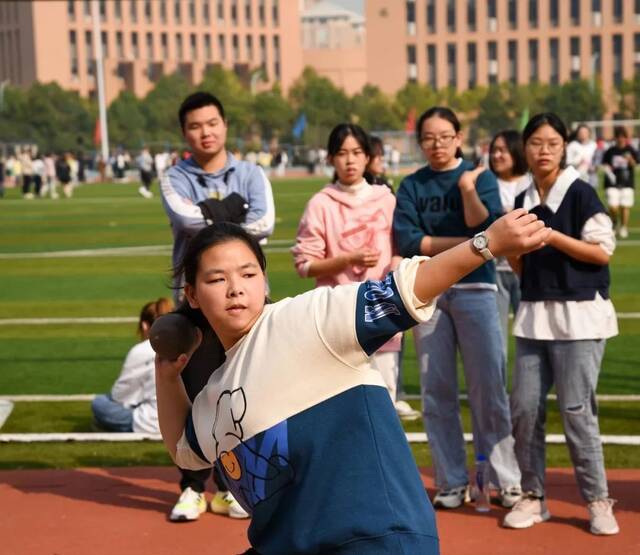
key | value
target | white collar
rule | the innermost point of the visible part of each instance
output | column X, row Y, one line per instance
column 355, row 189
column 459, row 161
column 556, row 194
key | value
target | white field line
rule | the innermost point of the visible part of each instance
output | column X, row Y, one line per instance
column 412, row 437
column 90, row 396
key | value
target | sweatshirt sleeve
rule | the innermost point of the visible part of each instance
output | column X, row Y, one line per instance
column 489, row 193
column 407, row 229
column 310, row 239
column 184, row 214
column 260, row 219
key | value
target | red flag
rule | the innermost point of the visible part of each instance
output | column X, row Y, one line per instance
column 410, row 125
column 97, row 134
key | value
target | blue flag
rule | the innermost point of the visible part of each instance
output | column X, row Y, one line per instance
column 299, row 126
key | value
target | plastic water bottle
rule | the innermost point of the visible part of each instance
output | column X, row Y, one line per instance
column 483, row 500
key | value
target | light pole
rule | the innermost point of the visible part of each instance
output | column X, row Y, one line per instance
column 97, row 48
column 3, row 85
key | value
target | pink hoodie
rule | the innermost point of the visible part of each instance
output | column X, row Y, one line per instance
column 337, row 221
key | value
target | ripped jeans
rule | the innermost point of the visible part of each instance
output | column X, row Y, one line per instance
column 573, row 367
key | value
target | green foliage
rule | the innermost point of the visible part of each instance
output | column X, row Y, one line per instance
column 576, row 101
column 127, row 121
column 630, row 97
column 417, row 97
column 273, row 114
column 373, row 110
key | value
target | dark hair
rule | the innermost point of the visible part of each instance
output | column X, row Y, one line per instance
column 619, row 131
column 513, row 140
column 552, row 120
column 152, row 310
column 376, row 145
column 211, row 236
column 343, row 130
column 441, row 112
column 197, row 100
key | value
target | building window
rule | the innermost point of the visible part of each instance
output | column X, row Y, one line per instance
column 220, row 11
column 150, row 55
column 276, row 57
column 596, row 54
column 275, row 14
column 179, row 47
column 133, row 12
column 452, row 81
column 192, row 12
column 102, row 10
column 451, row 16
column 533, row 14
column 472, row 64
column 575, row 12
column 617, row 11
column 135, row 51
column 432, row 66
column 492, row 16
column 87, row 9
column 164, row 46
column 71, row 14
column 235, row 48
column 177, row 12
column 73, row 50
column 596, row 12
column 617, row 60
column 119, row 46
column 412, row 70
column 148, row 13
column 574, row 47
column 411, row 17
column 512, row 13
column 205, row 14
column 222, row 47
column 636, row 11
column 104, row 39
column 248, row 15
column 533, row 60
column 163, row 11
column 554, row 64
column 263, row 52
column 636, row 52
column 88, row 48
column 249, row 47
column 262, row 13
column 471, row 15
column 512, row 50
column 193, row 43
column 431, row 16
column 234, row 12
column 207, row 47
column 554, row 13
column 492, row 47
column 117, row 10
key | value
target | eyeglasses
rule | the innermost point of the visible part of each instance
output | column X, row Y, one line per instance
column 429, row 141
column 552, row 147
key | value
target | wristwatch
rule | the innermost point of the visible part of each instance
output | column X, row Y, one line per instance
column 480, row 243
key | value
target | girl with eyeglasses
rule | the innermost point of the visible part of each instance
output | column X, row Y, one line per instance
column 440, row 206
column 561, row 327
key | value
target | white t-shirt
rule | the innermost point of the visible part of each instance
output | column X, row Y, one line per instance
column 580, row 156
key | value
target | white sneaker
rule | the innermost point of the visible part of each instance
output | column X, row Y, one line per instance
column 406, row 412
column 601, row 518
column 224, row 503
column 190, row 506
column 67, row 190
column 526, row 512
column 623, row 233
column 145, row 192
column 451, row 498
column 28, row 196
column 510, row 496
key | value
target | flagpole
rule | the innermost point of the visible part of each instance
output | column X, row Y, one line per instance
column 97, row 48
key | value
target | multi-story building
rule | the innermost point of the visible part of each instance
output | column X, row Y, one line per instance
column 143, row 40
column 333, row 42
column 464, row 43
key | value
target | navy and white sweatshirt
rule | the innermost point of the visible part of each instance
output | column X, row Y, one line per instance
column 429, row 202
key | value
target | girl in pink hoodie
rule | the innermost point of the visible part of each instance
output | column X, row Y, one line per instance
column 344, row 235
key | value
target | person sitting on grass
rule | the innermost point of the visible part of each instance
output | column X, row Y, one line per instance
column 131, row 406
column 296, row 416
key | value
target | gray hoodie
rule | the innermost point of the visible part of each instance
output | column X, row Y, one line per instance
column 186, row 184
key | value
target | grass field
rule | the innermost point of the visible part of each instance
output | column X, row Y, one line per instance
column 86, row 358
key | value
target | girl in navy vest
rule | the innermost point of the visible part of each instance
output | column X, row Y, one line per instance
column 561, row 327
column 438, row 207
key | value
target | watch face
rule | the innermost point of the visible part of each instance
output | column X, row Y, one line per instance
column 480, row 242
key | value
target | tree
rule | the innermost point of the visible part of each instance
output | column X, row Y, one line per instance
column 127, row 123
column 415, row 98
column 630, row 97
column 374, row 110
column 272, row 113
column 576, row 101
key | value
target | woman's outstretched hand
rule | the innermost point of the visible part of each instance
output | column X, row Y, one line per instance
column 516, row 233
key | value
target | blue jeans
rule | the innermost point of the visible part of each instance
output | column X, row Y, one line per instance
column 466, row 320
column 508, row 297
column 573, row 367
column 111, row 415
